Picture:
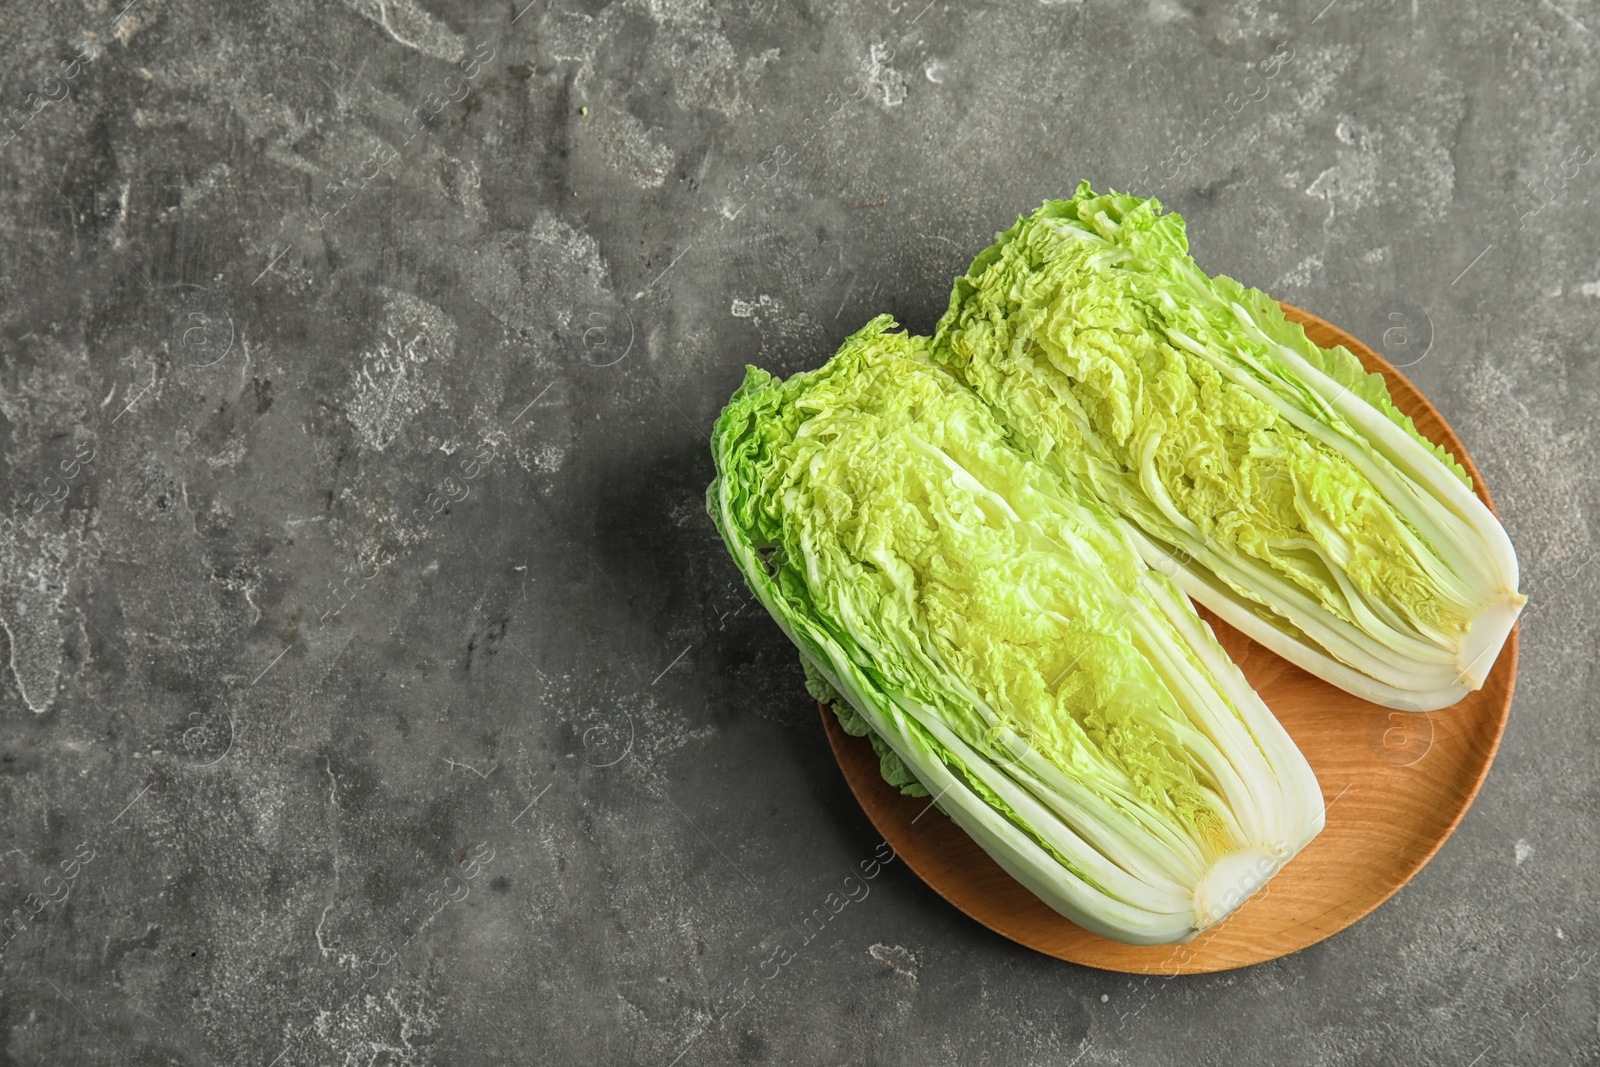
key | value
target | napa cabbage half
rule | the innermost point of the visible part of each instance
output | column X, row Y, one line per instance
column 1273, row 478
column 997, row 633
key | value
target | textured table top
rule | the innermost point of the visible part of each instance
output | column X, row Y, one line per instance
column 375, row 689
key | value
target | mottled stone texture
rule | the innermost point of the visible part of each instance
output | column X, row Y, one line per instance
column 375, row 689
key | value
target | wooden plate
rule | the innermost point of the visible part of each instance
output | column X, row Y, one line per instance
column 1396, row 784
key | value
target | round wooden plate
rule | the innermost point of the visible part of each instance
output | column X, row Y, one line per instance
column 1396, row 784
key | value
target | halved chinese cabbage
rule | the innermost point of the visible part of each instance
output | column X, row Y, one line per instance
column 1001, row 637
column 1273, row 478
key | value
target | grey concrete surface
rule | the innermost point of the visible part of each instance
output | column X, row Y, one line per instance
column 375, row 689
